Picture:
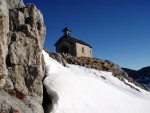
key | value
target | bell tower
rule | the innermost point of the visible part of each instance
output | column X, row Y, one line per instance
column 66, row 31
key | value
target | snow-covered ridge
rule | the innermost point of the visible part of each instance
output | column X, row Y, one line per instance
column 77, row 89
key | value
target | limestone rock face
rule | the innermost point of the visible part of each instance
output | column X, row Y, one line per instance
column 4, row 29
column 22, row 34
column 15, row 4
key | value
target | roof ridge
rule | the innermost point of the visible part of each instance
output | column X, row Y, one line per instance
column 73, row 39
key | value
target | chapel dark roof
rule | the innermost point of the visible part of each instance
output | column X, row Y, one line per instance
column 71, row 40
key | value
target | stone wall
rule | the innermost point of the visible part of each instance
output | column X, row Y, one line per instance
column 83, row 50
column 64, row 45
column 74, row 49
column 22, row 34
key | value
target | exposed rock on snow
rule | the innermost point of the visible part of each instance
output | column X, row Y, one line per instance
column 93, row 63
column 22, row 34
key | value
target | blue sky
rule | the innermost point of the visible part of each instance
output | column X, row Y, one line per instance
column 118, row 30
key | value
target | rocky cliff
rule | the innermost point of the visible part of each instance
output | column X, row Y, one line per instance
column 22, row 34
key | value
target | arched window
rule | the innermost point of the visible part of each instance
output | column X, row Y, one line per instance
column 83, row 50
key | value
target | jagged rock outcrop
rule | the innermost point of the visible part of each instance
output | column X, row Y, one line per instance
column 22, row 34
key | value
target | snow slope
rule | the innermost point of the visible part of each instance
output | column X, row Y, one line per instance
column 77, row 89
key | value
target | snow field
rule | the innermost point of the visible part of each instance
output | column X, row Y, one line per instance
column 76, row 89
